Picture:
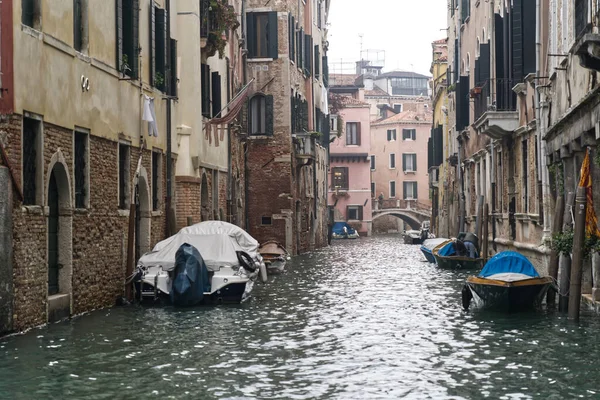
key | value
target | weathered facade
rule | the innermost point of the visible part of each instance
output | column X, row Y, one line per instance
column 288, row 131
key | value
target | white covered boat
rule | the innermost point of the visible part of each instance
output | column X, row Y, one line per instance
column 229, row 255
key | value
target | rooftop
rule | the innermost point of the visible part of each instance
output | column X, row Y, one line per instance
column 402, row 74
column 343, row 79
column 407, row 117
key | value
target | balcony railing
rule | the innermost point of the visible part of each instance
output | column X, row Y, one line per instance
column 494, row 95
column 305, row 145
column 389, row 204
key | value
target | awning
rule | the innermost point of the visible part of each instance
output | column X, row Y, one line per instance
column 234, row 107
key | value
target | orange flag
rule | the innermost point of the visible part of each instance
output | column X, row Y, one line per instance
column 591, row 222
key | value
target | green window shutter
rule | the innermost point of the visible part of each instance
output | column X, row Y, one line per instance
column 173, row 69
column 325, row 72
column 119, row 29
column 403, row 162
column 161, row 46
column 414, row 162
column 301, row 49
column 404, row 190
column 251, row 35
column 77, row 21
column 269, row 114
column 135, row 24
column 292, row 36
column 273, row 42
column 358, row 133
column 205, row 90
column 216, row 94
column 416, row 187
column 152, row 46
column 360, row 213
column 317, row 62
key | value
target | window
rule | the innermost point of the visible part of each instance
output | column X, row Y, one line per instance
column 31, row 13
column 320, row 14
column 392, row 161
column 128, row 40
column 373, row 162
column 317, row 62
column 372, row 189
column 158, row 47
column 261, row 115
column 124, row 159
column 352, row 133
column 266, row 220
column 410, row 190
column 340, row 177
column 205, row 89
column 525, row 179
column 409, row 162
column 32, row 161
column 409, row 134
column 292, row 37
column 216, row 94
column 81, row 169
column 391, row 135
column 156, row 179
column 398, row 108
column 392, row 189
column 333, row 123
column 80, row 22
column 308, row 56
column 354, row 213
column 262, row 35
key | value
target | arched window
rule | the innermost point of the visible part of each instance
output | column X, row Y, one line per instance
column 258, row 115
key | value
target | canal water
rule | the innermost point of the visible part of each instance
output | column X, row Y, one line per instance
column 364, row 319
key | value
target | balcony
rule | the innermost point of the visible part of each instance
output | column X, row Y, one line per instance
column 305, row 145
column 587, row 47
column 495, row 105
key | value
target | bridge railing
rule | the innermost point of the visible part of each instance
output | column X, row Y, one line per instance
column 387, row 204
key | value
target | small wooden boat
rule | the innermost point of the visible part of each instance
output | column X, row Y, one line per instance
column 508, row 282
column 274, row 255
column 446, row 257
column 429, row 245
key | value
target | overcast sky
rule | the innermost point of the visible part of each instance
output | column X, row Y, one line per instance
column 403, row 28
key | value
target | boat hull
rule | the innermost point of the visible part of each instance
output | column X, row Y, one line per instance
column 275, row 266
column 230, row 294
column 509, row 296
column 454, row 262
column 428, row 255
column 411, row 240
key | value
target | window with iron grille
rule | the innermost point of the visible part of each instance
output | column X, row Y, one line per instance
column 81, row 169
column 156, row 179
column 340, row 177
column 372, row 189
column 32, row 153
column 124, row 157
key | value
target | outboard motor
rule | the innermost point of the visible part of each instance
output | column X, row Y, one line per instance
column 190, row 277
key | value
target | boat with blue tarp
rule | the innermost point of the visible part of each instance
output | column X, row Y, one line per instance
column 342, row 230
column 453, row 254
column 428, row 246
column 508, row 282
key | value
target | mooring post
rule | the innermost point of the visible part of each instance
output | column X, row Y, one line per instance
column 578, row 244
column 554, row 255
column 484, row 238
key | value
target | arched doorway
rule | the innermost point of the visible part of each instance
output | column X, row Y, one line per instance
column 143, row 215
column 204, row 199
column 59, row 240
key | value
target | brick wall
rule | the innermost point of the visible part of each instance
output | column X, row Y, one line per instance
column 188, row 200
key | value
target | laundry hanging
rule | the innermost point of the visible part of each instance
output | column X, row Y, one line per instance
column 149, row 115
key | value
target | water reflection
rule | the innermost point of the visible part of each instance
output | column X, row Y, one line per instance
column 362, row 319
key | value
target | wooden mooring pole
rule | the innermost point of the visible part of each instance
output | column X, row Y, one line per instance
column 578, row 247
column 554, row 255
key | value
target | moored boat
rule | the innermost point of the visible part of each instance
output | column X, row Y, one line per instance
column 226, row 255
column 447, row 257
column 341, row 230
column 429, row 245
column 508, row 282
column 274, row 255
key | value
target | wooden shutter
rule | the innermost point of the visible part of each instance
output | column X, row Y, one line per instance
column 77, row 34
column 173, row 69
column 403, row 162
column 484, row 63
column 414, row 134
column 414, row 157
column 360, row 213
column 348, row 133
column 161, row 45
column 272, row 42
column 317, row 60
column 405, row 190
column 216, row 94
column 119, row 31
column 308, row 54
column 301, row 49
column 269, row 123
column 346, row 178
column 292, row 39
column 325, row 72
column 499, row 45
column 529, row 30
column 517, row 39
column 358, row 133
column 152, row 46
column 251, row 35
column 416, row 187
column 205, row 90
column 135, row 26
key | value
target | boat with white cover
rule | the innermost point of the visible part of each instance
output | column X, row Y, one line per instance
column 229, row 253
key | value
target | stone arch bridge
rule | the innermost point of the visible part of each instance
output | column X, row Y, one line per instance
column 410, row 211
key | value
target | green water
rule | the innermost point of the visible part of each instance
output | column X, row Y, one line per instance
column 363, row 319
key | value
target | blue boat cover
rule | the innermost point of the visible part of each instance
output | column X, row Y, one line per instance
column 448, row 250
column 508, row 261
column 190, row 277
column 338, row 228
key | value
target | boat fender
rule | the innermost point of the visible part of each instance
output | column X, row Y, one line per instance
column 246, row 261
column 263, row 272
column 467, row 296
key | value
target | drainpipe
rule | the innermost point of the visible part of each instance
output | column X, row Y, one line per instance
column 461, row 195
column 245, row 145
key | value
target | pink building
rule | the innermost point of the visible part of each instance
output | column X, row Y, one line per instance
column 399, row 159
column 350, row 190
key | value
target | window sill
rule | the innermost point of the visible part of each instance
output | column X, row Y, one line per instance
column 259, row 137
column 352, row 145
column 81, row 211
column 410, row 172
column 33, row 209
column 123, row 213
column 157, row 213
column 392, row 167
column 257, row 59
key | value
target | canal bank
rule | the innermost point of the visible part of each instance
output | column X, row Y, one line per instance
column 360, row 319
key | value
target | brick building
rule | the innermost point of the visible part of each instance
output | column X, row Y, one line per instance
column 286, row 120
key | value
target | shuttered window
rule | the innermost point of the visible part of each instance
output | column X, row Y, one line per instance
column 300, row 49
column 292, row 37
column 352, row 133
column 354, row 213
column 308, row 55
column 262, row 35
column 325, row 72
column 205, row 89
column 409, row 134
column 78, row 21
column 392, row 188
column 317, row 62
column 172, row 73
column 373, row 162
column 391, row 135
column 410, row 191
column 392, row 161
column 127, row 21
column 409, row 162
column 261, row 115
column 31, row 160
column 160, row 60
column 216, row 94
